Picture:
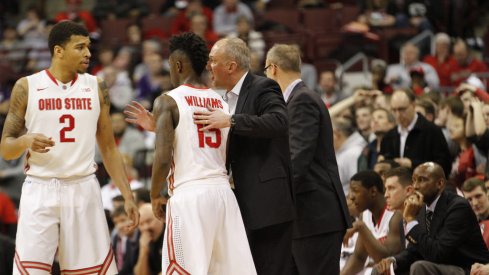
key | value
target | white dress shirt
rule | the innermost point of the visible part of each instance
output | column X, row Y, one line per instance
column 289, row 89
column 231, row 97
column 404, row 134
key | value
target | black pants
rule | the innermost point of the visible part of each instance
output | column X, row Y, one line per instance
column 271, row 248
column 319, row 254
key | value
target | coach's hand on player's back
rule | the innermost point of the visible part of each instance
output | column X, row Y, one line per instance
column 133, row 213
column 213, row 118
column 38, row 143
column 137, row 114
column 158, row 205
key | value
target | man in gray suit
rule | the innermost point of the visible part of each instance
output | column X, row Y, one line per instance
column 322, row 215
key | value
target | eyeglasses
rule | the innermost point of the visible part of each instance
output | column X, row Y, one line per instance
column 266, row 68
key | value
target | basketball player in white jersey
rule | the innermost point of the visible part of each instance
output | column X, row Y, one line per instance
column 379, row 228
column 205, row 232
column 56, row 115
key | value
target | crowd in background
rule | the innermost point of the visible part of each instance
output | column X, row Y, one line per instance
column 449, row 85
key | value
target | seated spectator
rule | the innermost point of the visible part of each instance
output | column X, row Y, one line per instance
column 150, row 242
column 149, row 48
column 378, row 230
column 348, row 145
column 415, row 140
column 74, row 12
column 183, row 20
column 110, row 190
column 464, row 64
column 13, row 51
column 442, row 59
column 39, row 57
column 477, row 131
column 125, row 243
column 226, row 15
column 427, row 108
column 378, row 71
column 119, row 85
column 141, row 196
column 443, row 234
column 200, row 26
column 32, row 26
column 363, row 119
column 328, row 89
column 464, row 166
column 382, row 121
column 476, row 193
column 383, row 166
column 398, row 74
column 252, row 38
column 468, row 92
column 418, row 81
column 149, row 85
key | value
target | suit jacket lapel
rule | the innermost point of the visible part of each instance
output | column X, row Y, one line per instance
column 439, row 213
column 243, row 93
column 294, row 91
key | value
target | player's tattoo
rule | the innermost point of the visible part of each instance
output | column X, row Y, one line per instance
column 15, row 122
column 105, row 92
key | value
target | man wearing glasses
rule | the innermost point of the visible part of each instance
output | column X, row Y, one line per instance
column 415, row 140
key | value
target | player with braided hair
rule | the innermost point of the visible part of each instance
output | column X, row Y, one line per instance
column 205, row 232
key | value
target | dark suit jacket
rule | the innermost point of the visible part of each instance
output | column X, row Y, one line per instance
column 454, row 239
column 258, row 153
column 320, row 201
column 131, row 254
column 424, row 143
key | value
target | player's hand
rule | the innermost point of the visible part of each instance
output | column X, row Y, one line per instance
column 138, row 115
column 479, row 269
column 412, row 205
column 158, row 207
column 383, row 267
column 133, row 214
column 213, row 118
column 38, row 143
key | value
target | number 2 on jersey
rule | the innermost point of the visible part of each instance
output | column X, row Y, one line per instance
column 204, row 137
column 71, row 126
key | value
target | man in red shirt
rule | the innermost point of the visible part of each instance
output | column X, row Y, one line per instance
column 441, row 59
column 73, row 12
column 464, row 64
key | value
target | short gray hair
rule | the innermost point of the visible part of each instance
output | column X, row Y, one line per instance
column 442, row 37
column 286, row 57
column 237, row 50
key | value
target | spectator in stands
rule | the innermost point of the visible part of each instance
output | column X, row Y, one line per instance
column 378, row 70
column 150, row 242
column 468, row 92
column 134, row 36
column 110, row 191
column 384, row 165
column 75, row 13
column 418, row 81
column 363, row 119
column 149, row 47
column 476, row 193
column 226, row 16
column 125, row 243
column 328, row 88
column 149, row 85
column 183, row 20
column 398, row 74
column 382, row 121
column 443, row 234
column 378, row 230
column 105, row 57
column 415, row 140
column 32, row 26
column 200, row 26
column 13, row 51
column 376, row 13
column 348, row 145
column 441, row 59
column 119, row 86
column 39, row 57
column 252, row 38
column 477, row 131
column 465, row 163
column 464, row 64
column 128, row 139
column 427, row 108
column 141, row 196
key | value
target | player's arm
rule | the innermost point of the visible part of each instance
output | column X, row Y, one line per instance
column 14, row 143
column 111, row 156
column 166, row 118
column 391, row 245
column 356, row 262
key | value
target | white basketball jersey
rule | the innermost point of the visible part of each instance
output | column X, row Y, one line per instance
column 68, row 114
column 197, row 155
column 379, row 230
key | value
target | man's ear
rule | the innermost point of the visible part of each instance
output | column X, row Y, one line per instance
column 58, row 51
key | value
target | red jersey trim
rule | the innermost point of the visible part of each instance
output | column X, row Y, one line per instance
column 188, row 85
column 56, row 82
